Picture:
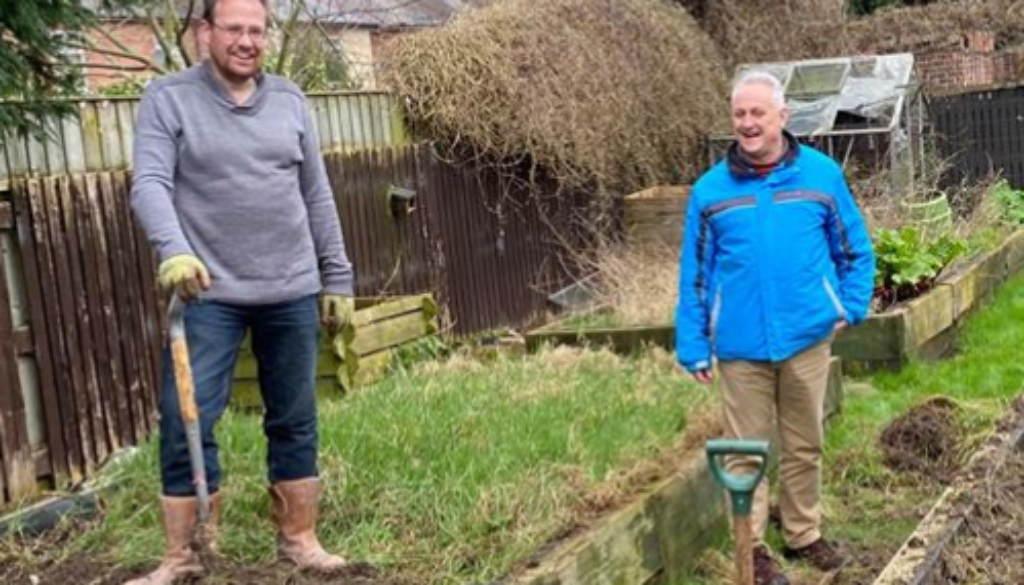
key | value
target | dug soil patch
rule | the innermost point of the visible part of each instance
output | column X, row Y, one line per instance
column 990, row 545
column 44, row 560
column 925, row 440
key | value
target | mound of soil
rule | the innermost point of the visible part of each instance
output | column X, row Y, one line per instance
column 990, row 546
column 925, row 440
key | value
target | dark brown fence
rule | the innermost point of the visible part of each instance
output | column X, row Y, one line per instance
column 489, row 251
column 982, row 133
column 94, row 318
column 91, row 328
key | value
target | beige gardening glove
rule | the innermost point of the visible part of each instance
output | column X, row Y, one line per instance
column 185, row 274
column 336, row 310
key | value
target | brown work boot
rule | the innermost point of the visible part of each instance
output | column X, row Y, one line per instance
column 179, row 518
column 766, row 568
column 295, row 511
column 822, row 554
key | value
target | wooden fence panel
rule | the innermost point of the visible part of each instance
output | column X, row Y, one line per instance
column 485, row 249
column 95, row 317
column 100, row 137
column 980, row 133
column 17, row 468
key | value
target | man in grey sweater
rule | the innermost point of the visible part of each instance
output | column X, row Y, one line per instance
column 231, row 190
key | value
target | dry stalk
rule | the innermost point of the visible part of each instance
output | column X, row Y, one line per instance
column 639, row 284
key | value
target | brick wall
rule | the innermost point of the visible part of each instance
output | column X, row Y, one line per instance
column 109, row 64
column 971, row 63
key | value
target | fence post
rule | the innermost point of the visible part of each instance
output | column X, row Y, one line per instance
column 20, row 423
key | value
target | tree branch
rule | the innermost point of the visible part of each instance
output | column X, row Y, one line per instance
column 286, row 35
column 182, row 29
column 158, row 32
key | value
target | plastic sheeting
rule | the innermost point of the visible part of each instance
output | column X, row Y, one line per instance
column 849, row 93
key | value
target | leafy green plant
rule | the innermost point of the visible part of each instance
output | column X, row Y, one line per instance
column 1010, row 200
column 907, row 264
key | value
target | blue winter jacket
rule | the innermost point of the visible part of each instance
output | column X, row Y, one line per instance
column 770, row 263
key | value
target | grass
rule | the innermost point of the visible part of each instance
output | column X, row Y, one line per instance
column 867, row 506
column 449, row 472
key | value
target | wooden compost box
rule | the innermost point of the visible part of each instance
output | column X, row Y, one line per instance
column 359, row 354
column 364, row 348
column 656, row 215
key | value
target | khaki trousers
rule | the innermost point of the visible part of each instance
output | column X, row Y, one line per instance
column 761, row 398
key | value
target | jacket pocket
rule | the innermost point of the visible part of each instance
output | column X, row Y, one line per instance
column 836, row 303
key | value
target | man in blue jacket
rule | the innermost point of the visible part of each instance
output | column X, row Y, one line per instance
column 776, row 259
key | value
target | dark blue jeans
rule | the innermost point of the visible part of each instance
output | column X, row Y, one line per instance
column 284, row 340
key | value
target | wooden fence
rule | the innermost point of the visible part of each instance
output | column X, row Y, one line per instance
column 488, row 250
column 100, row 137
column 80, row 320
column 982, row 133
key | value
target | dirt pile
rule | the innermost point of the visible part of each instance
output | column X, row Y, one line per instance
column 925, row 440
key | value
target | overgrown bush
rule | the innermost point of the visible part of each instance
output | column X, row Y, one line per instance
column 609, row 95
column 1010, row 201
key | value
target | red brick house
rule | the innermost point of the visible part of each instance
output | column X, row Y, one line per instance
column 125, row 46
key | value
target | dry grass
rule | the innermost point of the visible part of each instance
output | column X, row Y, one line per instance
column 640, row 284
column 612, row 95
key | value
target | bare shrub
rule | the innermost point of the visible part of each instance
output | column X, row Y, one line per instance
column 751, row 31
column 613, row 95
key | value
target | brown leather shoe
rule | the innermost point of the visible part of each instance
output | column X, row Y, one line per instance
column 821, row 554
column 766, row 568
column 295, row 506
column 179, row 519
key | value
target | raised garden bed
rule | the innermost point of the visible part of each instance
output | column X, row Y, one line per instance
column 656, row 539
column 981, row 504
column 924, row 327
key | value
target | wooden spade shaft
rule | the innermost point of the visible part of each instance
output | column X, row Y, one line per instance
column 744, row 552
column 187, row 404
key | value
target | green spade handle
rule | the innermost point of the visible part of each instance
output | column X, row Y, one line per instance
column 741, row 486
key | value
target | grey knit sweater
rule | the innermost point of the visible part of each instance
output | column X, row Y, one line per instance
column 241, row 187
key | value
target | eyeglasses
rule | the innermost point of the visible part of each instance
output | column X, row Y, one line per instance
column 236, row 31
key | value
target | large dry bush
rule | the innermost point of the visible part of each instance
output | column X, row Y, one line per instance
column 615, row 95
column 752, row 31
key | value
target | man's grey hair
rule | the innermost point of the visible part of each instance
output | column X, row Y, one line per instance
column 211, row 5
column 756, row 77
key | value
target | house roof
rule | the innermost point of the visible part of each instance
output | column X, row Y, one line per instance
column 385, row 13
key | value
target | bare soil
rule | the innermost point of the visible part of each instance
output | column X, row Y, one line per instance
column 925, row 441
column 44, row 561
column 989, row 547
column 924, row 444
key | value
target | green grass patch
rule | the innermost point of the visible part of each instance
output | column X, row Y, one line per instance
column 451, row 471
column 871, row 509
